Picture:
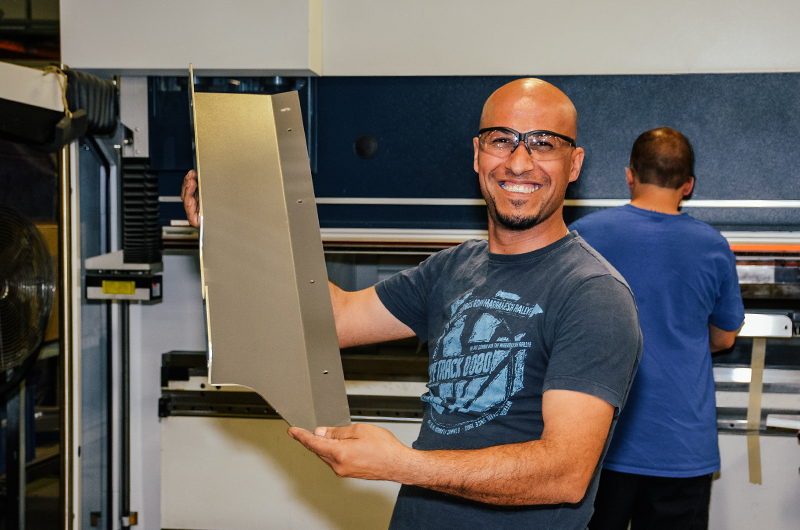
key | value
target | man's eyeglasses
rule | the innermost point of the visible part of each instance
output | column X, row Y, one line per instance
column 541, row 145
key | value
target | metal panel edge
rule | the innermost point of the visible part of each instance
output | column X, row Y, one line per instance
column 324, row 361
column 289, row 396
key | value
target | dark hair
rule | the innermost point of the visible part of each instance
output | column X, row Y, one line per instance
column 663, row 157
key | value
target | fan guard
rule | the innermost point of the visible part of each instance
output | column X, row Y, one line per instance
column 27, row 288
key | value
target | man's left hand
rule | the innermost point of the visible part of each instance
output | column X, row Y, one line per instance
column 360, row 450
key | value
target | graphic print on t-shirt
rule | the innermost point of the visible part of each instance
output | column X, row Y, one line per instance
column 479, row 361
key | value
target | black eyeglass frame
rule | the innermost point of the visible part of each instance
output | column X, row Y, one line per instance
column 523, row 137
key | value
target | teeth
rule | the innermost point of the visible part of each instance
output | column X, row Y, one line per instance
column 520, row 188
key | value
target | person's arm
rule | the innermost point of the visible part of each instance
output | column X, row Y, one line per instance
column 728, row 308
column 555, row 469
column 361, row 318
column 190, row 204
column 719, row 339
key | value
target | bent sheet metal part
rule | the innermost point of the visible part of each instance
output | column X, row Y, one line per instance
column 269, row 317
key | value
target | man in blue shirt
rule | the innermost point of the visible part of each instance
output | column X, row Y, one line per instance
column 657, row 472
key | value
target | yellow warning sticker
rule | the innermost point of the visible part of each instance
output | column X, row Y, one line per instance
column 111, row 287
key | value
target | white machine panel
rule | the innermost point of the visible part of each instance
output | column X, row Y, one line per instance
column 153, row 37
column 247, row 474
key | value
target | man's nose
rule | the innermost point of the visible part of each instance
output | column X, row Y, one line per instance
column 520, row 160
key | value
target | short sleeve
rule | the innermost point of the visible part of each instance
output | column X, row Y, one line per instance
column 598, row 342
column 728, row 312
column 406, row 294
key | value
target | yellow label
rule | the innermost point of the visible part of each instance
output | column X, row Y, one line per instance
column 110, row 287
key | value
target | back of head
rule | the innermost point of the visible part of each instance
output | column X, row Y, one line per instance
column 663, row 157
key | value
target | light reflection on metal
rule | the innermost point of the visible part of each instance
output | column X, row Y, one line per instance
column 741, row 375
column 763, row 325
column 775, row 376
column 268, row 309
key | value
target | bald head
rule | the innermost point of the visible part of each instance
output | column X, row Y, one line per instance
column 538, row 100
column 662, row 157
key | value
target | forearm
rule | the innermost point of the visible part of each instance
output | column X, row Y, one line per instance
column 720, row 339
column 538, row 472
column 555, row 469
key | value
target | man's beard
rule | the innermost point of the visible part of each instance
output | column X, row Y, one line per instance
column 516, row 223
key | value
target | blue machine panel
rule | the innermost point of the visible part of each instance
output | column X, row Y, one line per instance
column 411, row 137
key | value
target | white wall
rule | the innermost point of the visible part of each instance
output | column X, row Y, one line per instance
column 247, row 474
column 424, row 37
column 149, row 36
column 468, row 37
column 174, row 324
column 774, row 504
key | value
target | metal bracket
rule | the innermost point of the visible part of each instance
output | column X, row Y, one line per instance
column 268, row 307
column 766, row 326
column 126, row 521
column 760, row 327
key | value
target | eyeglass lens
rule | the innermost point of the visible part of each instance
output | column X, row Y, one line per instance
column 541, row 146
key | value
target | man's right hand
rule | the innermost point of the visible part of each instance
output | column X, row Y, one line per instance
column 189, row 198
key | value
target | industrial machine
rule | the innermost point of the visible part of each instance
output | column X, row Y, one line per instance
column 385, row 202
column 390, row 97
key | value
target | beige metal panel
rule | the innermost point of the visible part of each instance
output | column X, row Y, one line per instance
column 419, row 37
column 269, row 314
column 153, row 37
column 581, row 37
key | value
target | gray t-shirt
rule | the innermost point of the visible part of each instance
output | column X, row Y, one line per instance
column 501, row 330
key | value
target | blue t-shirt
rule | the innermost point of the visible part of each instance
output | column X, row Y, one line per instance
column 683, row 275
column 501, row 330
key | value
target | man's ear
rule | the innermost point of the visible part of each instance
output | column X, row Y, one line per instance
column 475, row 147
column 688, row 187
column 577, row 163
column 629, row 177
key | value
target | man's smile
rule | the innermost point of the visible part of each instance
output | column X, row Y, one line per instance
column 519, row 187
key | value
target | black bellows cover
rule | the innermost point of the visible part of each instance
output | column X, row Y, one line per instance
column 141, row 227
column 97, row 97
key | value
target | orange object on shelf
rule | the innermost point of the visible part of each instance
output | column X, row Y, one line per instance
column 765, row 248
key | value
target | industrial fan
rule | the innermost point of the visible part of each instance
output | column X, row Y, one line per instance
column 27, row 289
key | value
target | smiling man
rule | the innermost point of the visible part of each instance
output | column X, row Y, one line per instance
column 532, row 179
column 533, row 343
